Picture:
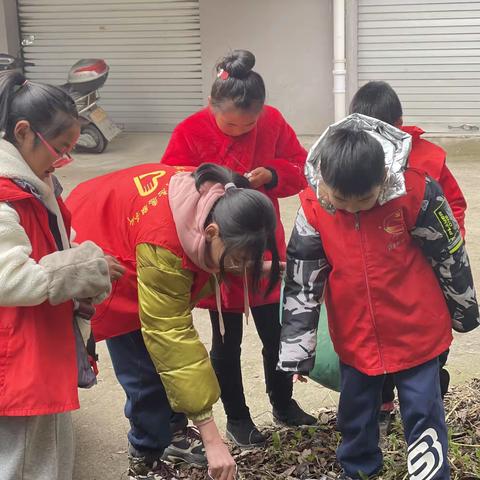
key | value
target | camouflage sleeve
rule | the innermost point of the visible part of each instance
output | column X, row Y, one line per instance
column 441, row 241
column 306, row 273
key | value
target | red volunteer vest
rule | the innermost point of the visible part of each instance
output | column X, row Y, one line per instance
column 38, row 367
column 425, row 155
column 119, row 211
column 386, row 310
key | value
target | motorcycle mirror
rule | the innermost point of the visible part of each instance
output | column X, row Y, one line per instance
column 28, row 40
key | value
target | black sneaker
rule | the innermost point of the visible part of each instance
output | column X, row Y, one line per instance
column 385, row 421
column 186, row 446
column 293, row 416
column 245, row 434
column 146, row 468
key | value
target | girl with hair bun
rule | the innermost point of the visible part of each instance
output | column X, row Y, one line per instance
column 237, row 130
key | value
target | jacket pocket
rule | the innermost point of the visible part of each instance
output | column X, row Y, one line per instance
column 4, row 344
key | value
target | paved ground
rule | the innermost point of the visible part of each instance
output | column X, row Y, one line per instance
column 100, row 425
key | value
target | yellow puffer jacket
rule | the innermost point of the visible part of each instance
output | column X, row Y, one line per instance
column 179, row 356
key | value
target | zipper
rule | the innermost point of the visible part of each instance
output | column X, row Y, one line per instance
column 370, row 306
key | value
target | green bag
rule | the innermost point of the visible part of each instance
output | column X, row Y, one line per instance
column 326, row 370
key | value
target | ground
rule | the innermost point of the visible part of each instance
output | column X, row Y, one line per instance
column 100, row 424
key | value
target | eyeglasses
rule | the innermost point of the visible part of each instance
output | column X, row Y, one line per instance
column 61, row 158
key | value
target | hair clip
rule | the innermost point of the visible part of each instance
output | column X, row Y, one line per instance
column 222, row 74
column 17, row 88
column 229, row 185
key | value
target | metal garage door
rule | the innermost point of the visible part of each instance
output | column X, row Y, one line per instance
column 429, row 50
column 152, row 47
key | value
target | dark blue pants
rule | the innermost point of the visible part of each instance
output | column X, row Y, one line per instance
column 423, row 419
column 147, row 408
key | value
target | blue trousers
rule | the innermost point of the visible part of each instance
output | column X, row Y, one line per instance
column 423, row 420
column 151, row 418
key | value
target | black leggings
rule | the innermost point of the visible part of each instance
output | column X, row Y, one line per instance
column 225, row 357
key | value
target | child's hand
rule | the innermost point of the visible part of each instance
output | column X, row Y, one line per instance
column 267, row 266
column 259, row 176
column 299, row 378
column 221, row 465
column 115, row 268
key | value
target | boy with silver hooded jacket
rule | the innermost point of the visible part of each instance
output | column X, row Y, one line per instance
column 379, row 244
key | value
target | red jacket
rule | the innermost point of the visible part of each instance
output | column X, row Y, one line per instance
column 431, row 158
column 386, row 310
column 38, row 365
column 119, row 211
column 271, row 144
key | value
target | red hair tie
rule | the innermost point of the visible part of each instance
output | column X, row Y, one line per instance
column 222, row 74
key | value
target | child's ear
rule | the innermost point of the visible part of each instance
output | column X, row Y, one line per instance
column 212, row 231
column 22, row 132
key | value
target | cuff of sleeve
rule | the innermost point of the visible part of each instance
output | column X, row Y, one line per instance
column 274, row 182
column 202, row 416
column 303, row 367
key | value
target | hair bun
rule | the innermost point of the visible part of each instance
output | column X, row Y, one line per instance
column 238, row 64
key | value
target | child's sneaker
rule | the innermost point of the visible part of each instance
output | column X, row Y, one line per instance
column 161, row 471
column 245, row 434
column 293, row 416
column 186, row 446
column 385, row 421
column 142, row 468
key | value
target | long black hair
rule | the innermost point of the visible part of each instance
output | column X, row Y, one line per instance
column 240, row 85
column 246, row 220
column 49, row 110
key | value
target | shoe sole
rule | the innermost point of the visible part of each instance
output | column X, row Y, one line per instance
column 188, row 458
column 241, row 445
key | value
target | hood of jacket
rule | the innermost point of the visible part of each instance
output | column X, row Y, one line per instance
column 190, row 209
column 395, row 143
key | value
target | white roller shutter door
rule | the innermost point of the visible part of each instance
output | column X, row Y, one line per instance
column 152, row 47
column 429, row 51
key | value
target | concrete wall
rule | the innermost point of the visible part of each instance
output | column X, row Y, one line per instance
column 9, row 42
column 293, row 43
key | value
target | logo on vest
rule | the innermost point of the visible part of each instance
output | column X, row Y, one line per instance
column 148, row 182
column 394, row 225
column 425, row 456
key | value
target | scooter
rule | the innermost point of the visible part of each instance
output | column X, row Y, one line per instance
column 85, row 78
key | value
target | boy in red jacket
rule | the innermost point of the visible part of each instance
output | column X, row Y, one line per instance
column 378, row 99
column 380, row 245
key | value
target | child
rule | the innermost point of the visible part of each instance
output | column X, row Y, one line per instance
column 385, row 239
column 40, row 275
column 237, row 130
column 171, row 230
column 379, row 100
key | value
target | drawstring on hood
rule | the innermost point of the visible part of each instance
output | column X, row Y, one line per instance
column 190, row 209
column 396, row 146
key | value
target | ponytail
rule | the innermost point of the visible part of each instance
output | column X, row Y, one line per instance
column 210, row 172
column 246, row 220
column 49, row 110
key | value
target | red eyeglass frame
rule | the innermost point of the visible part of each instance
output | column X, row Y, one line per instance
column 61, row 159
